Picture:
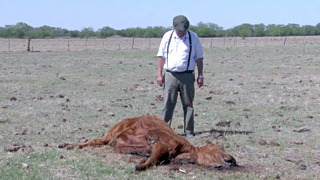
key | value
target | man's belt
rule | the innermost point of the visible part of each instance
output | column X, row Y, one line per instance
column 188, row 71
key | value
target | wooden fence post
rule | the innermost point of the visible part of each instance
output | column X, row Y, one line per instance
column 29, row 41
column 103, row 43
column 285, row 39
column 132, row 43
column 87, row 44
column 9, row 45
column 68, row 44
column 304, row 44
column 266, row 41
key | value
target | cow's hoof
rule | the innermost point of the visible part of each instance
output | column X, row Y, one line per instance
column 62, row 145
column 69, row 147
column 136, row 167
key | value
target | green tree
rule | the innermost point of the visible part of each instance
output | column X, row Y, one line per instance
column 157, row 31
column 308, row 30
column 244, row 30
column 17, row 31
column 273, row 30
column 206, row 29
column 23, row 30
column 87, row 32
column 318, row 29
column 45, row 31
column 106, row 32
column 295, row 29
column 129, row 32
column 259, row 30
column 74, row 33
column 4, row 32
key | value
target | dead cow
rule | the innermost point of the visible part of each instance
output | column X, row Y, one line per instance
column 152, row 137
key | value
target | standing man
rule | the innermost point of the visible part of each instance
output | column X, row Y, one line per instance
column 179, row 52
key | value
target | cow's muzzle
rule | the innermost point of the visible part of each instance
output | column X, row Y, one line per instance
column 228, row 163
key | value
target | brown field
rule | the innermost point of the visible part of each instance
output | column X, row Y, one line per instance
column 260, row 101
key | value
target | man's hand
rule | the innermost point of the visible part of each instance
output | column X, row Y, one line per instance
column 160, row 79
column 200, row 72
column 200, row 82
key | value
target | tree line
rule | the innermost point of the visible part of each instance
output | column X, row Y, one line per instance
column 23, row 30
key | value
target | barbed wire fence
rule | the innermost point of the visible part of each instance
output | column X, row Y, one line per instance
column 121, row 43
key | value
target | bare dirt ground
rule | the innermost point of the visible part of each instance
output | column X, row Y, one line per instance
column 260, row 101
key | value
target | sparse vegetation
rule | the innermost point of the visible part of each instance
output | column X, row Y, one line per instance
column 260, row 102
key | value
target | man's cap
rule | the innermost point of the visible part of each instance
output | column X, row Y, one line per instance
column 180, row 23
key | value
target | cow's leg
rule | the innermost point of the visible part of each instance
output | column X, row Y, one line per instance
column 158, row 151
column 97, row 142
column 94, row 142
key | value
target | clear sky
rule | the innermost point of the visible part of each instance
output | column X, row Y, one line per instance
column 122, row 14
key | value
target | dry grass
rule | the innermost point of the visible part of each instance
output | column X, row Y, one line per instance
column 264, row 101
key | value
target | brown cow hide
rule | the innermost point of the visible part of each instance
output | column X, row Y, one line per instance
column 151, row 137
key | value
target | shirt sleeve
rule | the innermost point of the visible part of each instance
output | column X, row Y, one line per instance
column 198, row 48
column 163, row 45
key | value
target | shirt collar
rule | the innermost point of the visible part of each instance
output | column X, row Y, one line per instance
column 182, row 38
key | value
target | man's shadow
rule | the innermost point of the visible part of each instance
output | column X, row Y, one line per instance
column 221, row 132
column 224, row 132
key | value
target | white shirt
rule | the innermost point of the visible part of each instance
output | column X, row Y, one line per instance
column 179, row 51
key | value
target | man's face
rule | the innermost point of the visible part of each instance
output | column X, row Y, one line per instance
column 181, row 33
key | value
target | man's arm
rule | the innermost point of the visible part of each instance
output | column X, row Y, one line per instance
column 200, row 72
column 160, row 79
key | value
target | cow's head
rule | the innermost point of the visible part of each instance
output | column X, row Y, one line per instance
column 213, row 156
